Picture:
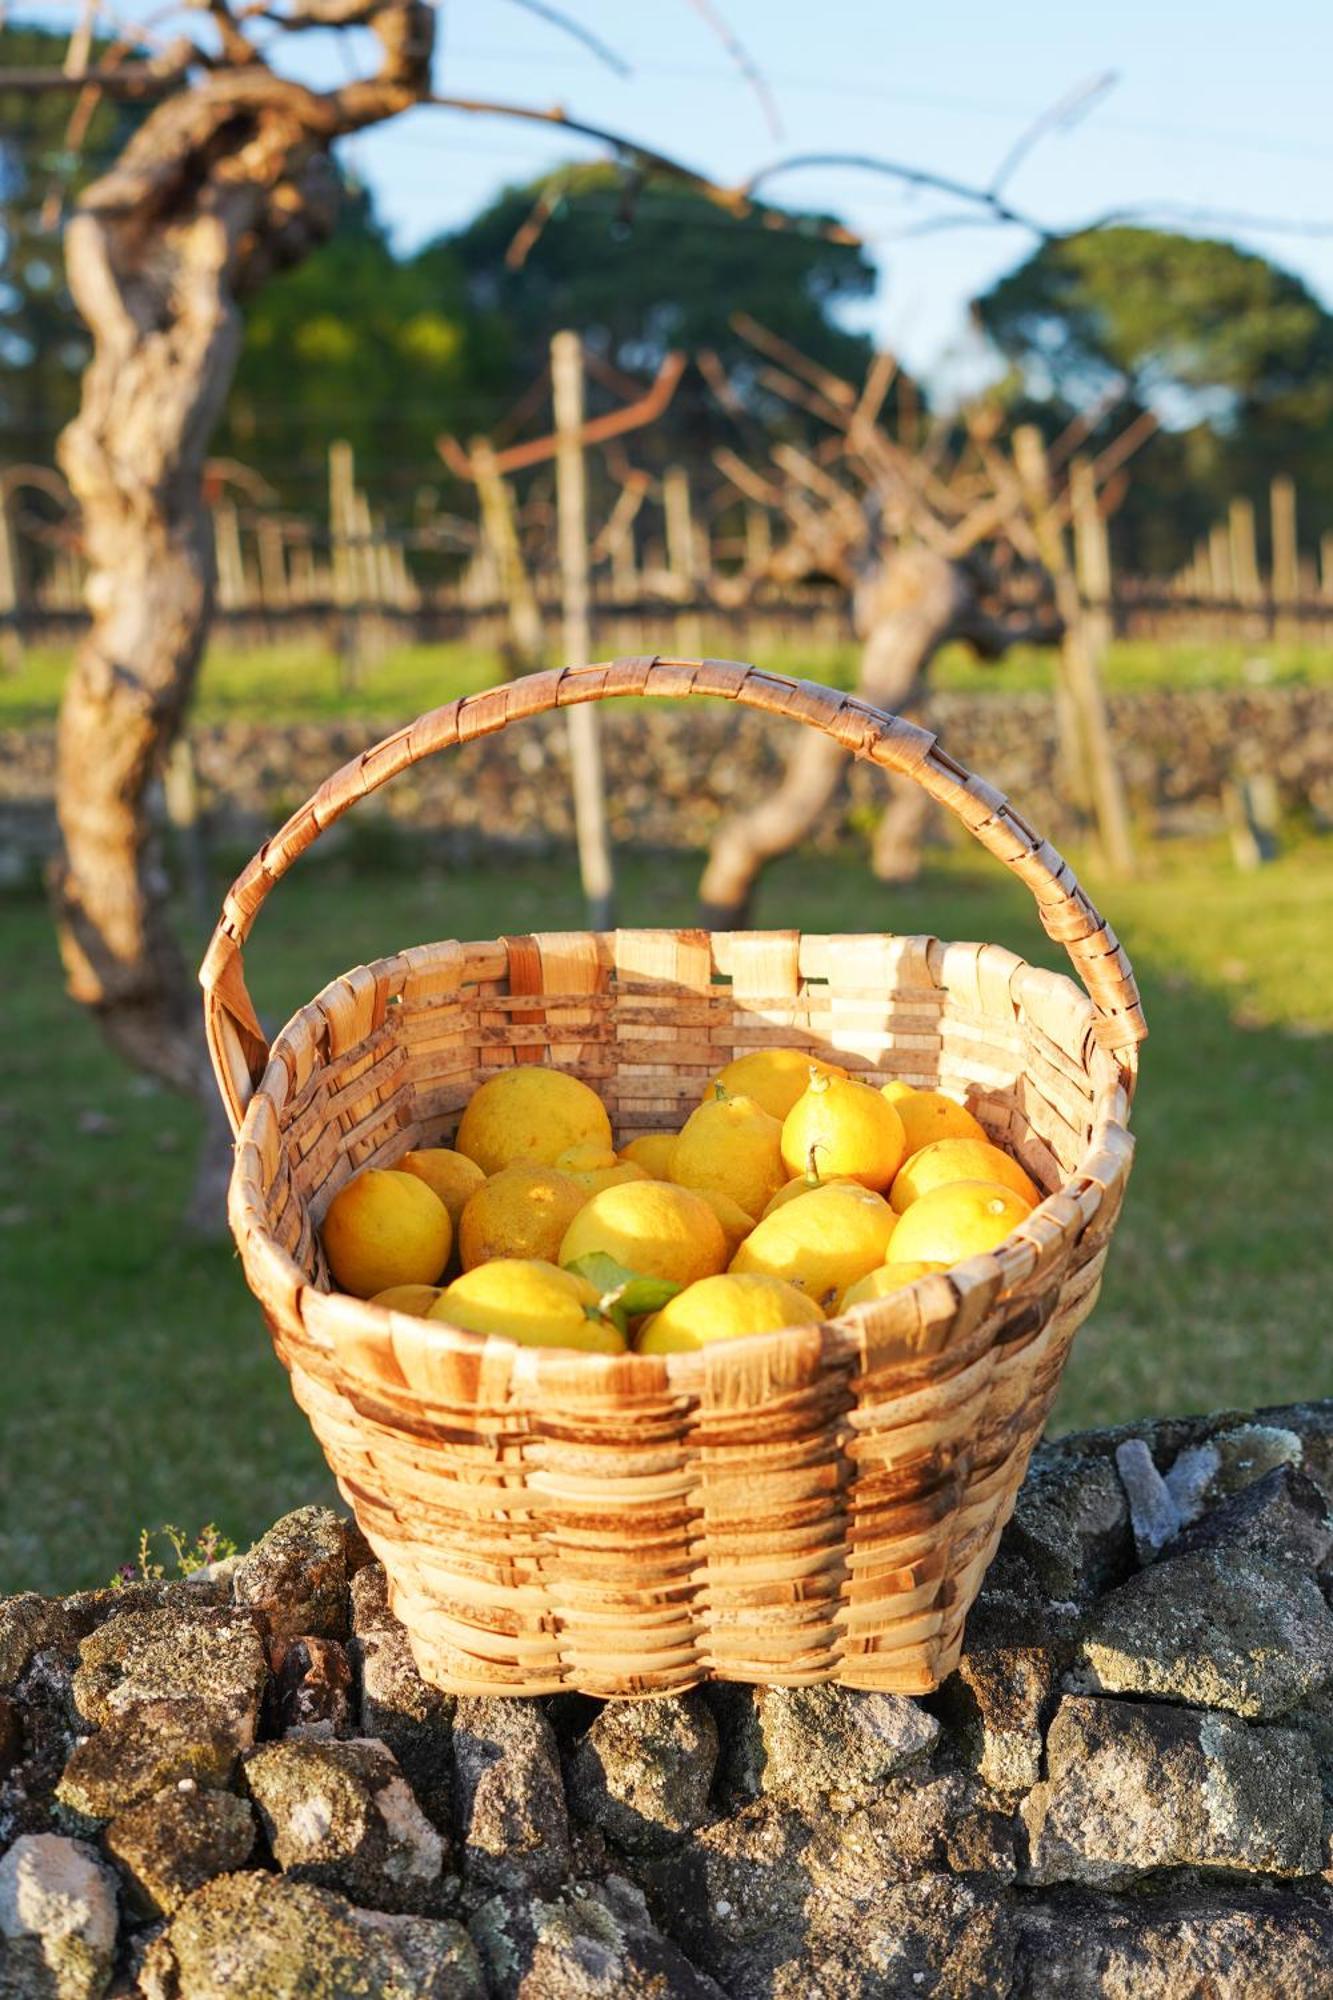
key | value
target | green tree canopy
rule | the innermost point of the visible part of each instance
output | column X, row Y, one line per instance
column 657, row 268
column 355, row 343
column 1234, row 353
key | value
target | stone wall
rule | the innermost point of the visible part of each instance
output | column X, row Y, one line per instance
column 239, row 1786
column 673, row 769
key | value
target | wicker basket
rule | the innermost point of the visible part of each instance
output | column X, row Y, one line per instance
column 803, row 1506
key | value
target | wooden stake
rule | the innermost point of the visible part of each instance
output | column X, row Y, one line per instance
column 585, row 751
column 679, row 528
column 11, row 633
column 497, row 516
column 1092, row 554
column 1079, row 655
column 273, row 565
column 231, row 563
column 1244, row 556
column 1286, row 561
column 758, row 541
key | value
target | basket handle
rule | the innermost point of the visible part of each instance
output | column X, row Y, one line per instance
column 236, row 1042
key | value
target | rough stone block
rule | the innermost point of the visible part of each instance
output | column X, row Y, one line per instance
column 592, row 1944
column 340, row 1814
column 1219, row 1629
column 266, row 1935
column 1138, row 1786
column 141, row 1749
column 296, row 1576
column 1231, row 1945
column 212, row 1654
column 996, row 1706
column 171, row 1844
column 313, row 1687
column 811, row 1745
column 396, row 1704
column 57, row 1920
column 1071, row 1523
column 643, row 1773
column 513, row 1823
column 1283, row 1515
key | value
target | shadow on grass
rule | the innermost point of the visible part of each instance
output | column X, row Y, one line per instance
column 140, row 1386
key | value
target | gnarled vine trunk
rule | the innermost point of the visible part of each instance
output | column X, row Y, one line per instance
column 905, row 609
column 225, row 182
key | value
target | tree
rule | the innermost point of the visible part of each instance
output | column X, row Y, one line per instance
column 1234, row 352
column 355, row 343
column 643, row 269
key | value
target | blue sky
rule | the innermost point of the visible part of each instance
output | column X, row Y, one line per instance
column 1222, row 106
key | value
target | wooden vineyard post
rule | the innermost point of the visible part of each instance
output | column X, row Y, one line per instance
column 1286, row 561
column 682, row 549
column 273, row 566
column 231, row 563
column 1079, row 657
column 585, row 749
column 501, row 530
column 11, row 630
column 342, row 559
column 1092, row 555
column 1245, row 579
column 758, row 541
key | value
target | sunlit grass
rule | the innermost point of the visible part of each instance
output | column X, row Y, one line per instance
column 298, row 681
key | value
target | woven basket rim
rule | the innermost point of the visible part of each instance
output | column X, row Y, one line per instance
column 1014, row 1273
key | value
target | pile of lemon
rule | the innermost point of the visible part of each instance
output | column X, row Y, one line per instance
column 791, row 1193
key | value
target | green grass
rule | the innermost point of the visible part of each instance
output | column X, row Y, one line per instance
column 296, row 681
column 139, row 1382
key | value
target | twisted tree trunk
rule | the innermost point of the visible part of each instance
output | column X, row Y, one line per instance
column 224, row 183
column 905, row 608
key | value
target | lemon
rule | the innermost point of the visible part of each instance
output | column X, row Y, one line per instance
column 725, row 1308
column 888, row 1278
column 731, row 1145
column 383, row 1229
column 651, row 1228
column 523, row 1211
column 821, row 1242
column 593, row 1167
column 928, row 1115
column 960, row 1219
column 530, row 1301
column 803, row 1184
column 736, row 1224
column 946, row 1160
column 530, row 1113
column 452, row 1176
column 774, row 1078
column 652, row 1151
column 416, row 1300
column 842, row 1129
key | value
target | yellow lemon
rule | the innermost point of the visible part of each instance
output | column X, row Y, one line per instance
column 946, row 1160
column 523, row 1211
column 736, row 1224
column 803, row 1184
column 842, row 1129
column 725, row 1308
column 450, row 1175
column 416, row 1300
column 821, row 1242
column 774, row 1078
column 593, row 1167
column 651, row 1228
column 530, row 1301
column 731, row 1144
column 928, row 1115
column 960, row 1219
column 383, row 1229
column 652, row 1151
column 530, row 1113
column 888, row 1278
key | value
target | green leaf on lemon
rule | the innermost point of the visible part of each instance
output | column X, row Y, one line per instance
column 623, row 1294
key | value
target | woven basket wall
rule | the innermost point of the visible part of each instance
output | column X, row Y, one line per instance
column 803, row 1506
